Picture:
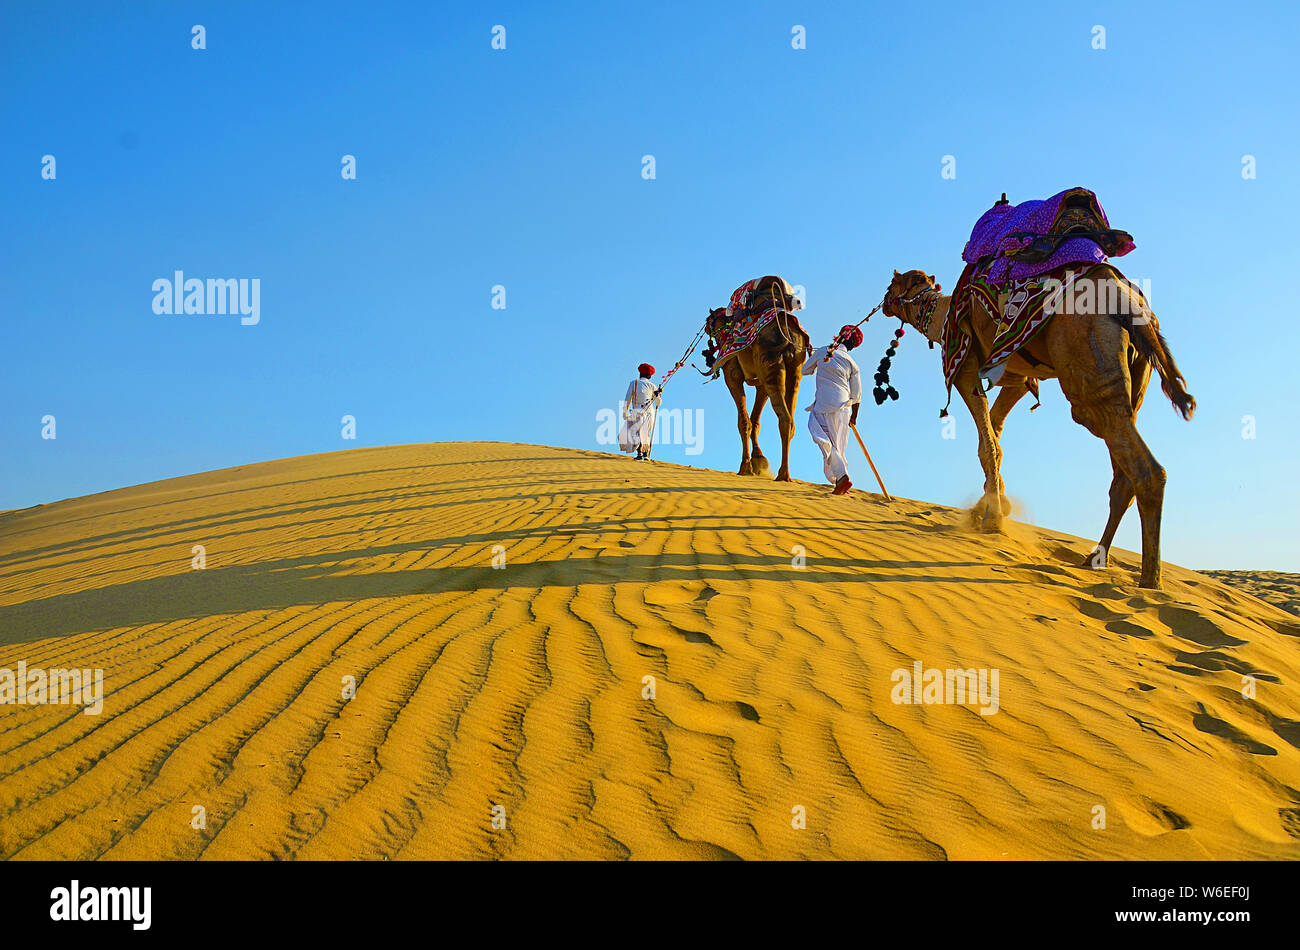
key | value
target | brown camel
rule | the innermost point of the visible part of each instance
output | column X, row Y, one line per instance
column 1102, row 356
column 772, row 365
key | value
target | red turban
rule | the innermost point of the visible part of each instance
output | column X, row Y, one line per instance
column 851, row 335
column 646, row 370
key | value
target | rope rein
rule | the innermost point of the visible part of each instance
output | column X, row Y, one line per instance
column 836, row 342
column 676, row 366
column 782, row 325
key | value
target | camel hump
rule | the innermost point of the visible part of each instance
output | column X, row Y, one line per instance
column 772, row 281
column 1016, row 242
column 777, row 288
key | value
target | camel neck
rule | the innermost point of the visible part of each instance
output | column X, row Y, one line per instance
column 933, row 330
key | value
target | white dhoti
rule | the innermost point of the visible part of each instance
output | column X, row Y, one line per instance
column 636, row 431
column 830, row 430
column 639, row 408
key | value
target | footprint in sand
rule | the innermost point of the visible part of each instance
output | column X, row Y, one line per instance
column 1290, row 821
column 706, row 595
column 1114, row 621
column 684, row 594
column 1224, row 730
column 1095, row 610
column 1285, row 627
column 1105, row 591
column 696, row 636
column 1212, row 661
column 1126, row 628
column 1288, row 730
column 1148, row 817
column 1196, row 627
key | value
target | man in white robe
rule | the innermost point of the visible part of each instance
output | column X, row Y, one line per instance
column 835, row 407
column 640, row 406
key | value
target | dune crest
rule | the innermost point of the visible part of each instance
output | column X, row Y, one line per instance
column 662, row 662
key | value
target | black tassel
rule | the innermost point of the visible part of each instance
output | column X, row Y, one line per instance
column 883, row 390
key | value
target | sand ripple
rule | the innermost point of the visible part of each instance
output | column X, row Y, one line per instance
column 505, row 712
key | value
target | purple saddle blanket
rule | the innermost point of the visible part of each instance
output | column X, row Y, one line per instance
column 1007, row 228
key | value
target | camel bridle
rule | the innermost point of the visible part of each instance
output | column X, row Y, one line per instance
column 927, row 297
column 835, row 343
column 929, row 305
column 912, row 296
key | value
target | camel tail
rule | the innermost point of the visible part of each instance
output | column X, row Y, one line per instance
column 1151, row 343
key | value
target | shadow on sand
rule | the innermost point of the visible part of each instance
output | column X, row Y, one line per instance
column 311, row 579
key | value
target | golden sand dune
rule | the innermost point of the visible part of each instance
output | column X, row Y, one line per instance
column 525, row 687
column 1276, row 587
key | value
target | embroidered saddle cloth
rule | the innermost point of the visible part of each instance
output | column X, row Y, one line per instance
column 738, row 325
column 1020, row 308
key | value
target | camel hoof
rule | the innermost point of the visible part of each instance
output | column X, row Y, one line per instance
column 761, row 467
column 986, row 516
column 1096, row 559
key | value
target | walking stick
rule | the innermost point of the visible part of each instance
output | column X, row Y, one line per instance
column 871, row 463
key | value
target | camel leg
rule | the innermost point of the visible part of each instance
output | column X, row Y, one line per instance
column 1121, row 496
column 1122, row 490
column 1147, row 479
column 1010, row 394
column 760, row 400
column 987, row 513
column 780, row 392
column 785, row 409
column 736, row 385
column 1121, row 486
column 1104, row 387
column 1154, row 489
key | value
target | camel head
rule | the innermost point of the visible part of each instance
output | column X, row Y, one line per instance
column 904, row 289
column 714, row 321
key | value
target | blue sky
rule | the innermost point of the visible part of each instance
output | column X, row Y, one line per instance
column 522, row 168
